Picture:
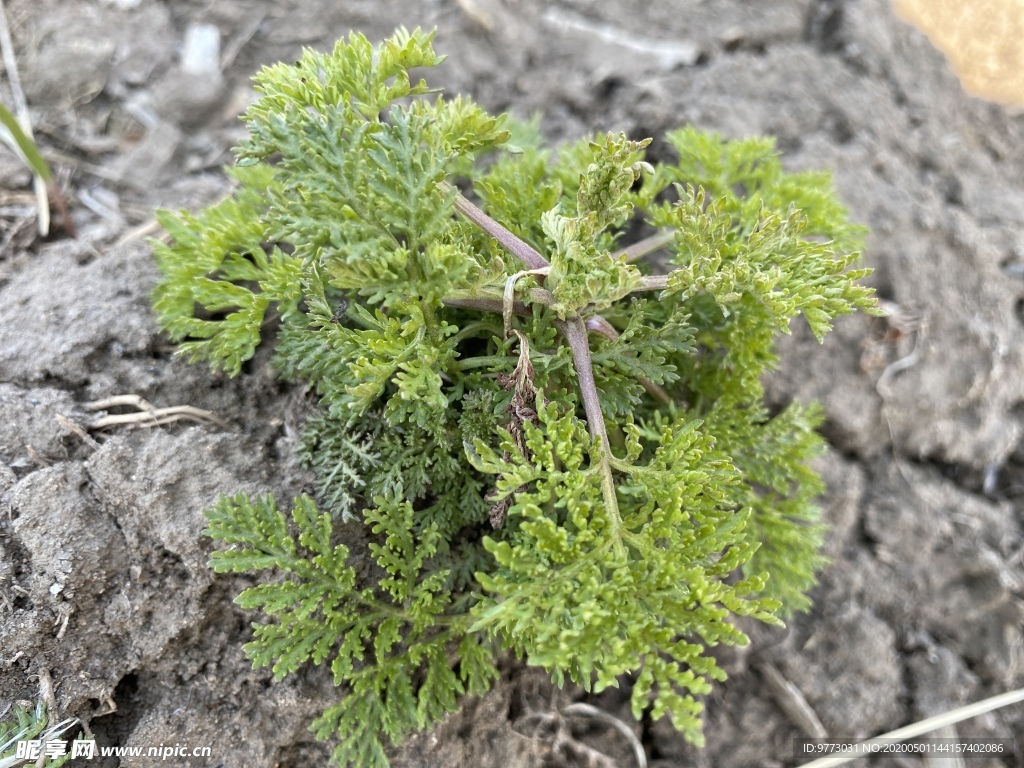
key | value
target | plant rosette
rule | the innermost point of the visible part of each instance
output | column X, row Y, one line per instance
column 539, row 374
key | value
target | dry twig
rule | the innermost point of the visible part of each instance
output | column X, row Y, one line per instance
column 586, row 710
column 143, row 230
column 927, row 725
column 46, row 692
column 71, row 426
column 792, row 702
column 645, row 247
column 239, row 40
column 147, row 415
column 561, row 744
column 477, row 13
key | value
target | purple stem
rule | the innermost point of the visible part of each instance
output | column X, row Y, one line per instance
column 514, row 245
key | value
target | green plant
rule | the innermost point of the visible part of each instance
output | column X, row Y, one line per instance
column 21, row 143
column 18, row 136
column 564, row 456
column 21, row 723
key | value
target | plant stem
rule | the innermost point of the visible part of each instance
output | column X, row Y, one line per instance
column 487, row 305
column 575, row 332
column 494, row 302
column 475, row 328
column 653, row 283
column 513, row 244
column 598, row 324
column 484, row 361
column 574, row 329
column 646, row 246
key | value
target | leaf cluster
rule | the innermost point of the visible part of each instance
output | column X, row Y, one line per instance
column 378, row 641
column 553, row 446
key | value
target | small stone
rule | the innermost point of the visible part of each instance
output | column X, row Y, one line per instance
column 191, row 93
column 201, row 52
column 71, row 71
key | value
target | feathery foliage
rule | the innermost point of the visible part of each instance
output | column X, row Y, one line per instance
column 553, row 449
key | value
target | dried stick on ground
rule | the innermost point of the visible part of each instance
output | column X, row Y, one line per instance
column 922, row 727
column 586, row 710
column 792, row 702
column 147, row 415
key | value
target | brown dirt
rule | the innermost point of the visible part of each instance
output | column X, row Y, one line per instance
column 103, row 580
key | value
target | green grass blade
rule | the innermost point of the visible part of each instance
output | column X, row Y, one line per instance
column 16, row 139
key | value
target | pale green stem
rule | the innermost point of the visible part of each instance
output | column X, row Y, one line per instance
column 475, row 328
column 495, row 302
column 653, row 283
column 483, row 362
